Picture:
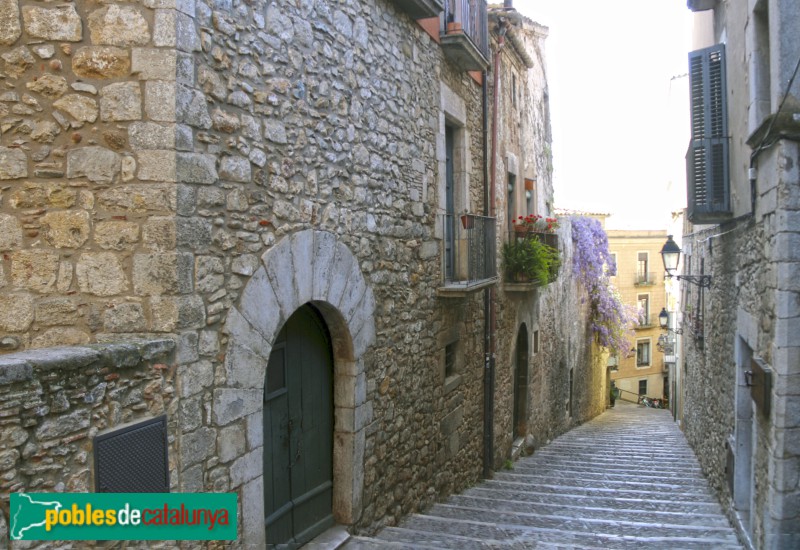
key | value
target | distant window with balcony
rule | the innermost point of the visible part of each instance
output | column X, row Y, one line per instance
column 643, row 309
column 642, row 265
column 512, row 191
column 643, row 353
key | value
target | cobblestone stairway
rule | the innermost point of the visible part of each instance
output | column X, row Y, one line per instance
column 626, row 479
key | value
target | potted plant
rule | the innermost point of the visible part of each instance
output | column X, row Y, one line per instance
column 528, row 260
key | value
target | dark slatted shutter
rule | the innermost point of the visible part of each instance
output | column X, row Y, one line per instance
column 707, row 172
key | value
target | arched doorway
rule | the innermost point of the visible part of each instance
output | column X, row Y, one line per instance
column 520, row 416
column 309, row 267
column 298, row 431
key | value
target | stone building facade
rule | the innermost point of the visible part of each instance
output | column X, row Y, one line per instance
column 256, row 181
column 742, row 361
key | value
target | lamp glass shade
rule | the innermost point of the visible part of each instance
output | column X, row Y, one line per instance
column 671, row 255
column 663, row 318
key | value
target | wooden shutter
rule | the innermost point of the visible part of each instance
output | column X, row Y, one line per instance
column 707, row 171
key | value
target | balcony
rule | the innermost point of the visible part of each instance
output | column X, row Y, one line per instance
column 527, row 268
column 644, row 279
column 464, row 34
column 644, row 321
column 419, row 9
column 468, row 253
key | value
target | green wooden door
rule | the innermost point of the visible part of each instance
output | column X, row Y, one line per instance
column 298, row 432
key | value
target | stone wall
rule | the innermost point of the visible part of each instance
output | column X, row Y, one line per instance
column 555, row 313
column 183, row 169
column 54, row 402
column 750, row 313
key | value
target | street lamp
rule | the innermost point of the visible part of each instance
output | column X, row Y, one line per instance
column 663, row 318
column 671, row 255
column 663, row 321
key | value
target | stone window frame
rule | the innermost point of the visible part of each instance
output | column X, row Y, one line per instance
column 649, row 341
column 757, row 39
column 453, row 113
column 649, row 301
column 647, row 265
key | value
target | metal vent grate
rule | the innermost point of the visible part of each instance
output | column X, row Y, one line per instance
column 133, row 459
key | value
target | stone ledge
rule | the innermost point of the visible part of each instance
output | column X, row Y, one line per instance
column 19, row 367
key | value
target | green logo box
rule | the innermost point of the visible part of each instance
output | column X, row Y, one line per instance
column 123, row 516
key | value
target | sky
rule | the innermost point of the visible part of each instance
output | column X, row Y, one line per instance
column 619, row 113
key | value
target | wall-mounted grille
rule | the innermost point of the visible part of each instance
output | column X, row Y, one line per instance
column 133, row 459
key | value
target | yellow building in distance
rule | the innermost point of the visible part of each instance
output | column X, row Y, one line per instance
column 640, row 280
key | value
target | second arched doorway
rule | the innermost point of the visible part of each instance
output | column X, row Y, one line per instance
column 520, row 412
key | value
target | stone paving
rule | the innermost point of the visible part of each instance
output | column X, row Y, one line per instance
column 626, row 479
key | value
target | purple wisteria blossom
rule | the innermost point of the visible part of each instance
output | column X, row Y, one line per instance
column 611, row 320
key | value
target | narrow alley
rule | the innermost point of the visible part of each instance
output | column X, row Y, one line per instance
column 626, row 479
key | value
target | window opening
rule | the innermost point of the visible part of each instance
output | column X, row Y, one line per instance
column 643, row 353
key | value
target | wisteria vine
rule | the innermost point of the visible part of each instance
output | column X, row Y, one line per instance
column 610, row 319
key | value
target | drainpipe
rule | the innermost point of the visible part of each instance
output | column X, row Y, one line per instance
column 490, row 316
column 488, row 303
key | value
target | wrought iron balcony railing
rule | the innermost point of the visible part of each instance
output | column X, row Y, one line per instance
column 469, row 253
column 464, row 33
column 646, row 321
column 644, row 279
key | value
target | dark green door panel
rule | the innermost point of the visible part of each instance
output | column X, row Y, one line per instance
column 298, row 431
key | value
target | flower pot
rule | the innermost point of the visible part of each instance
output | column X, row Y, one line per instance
column 467, row 221
column 453, row 27
column 529, row 183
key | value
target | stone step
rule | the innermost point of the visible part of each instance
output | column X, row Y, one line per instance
column 453, row 534
column 521, row 494
column 564, row 465
column 585, row 476
column 595, row 482
column 630, row 456
column 367, row 543
column 615, row 525
column 700, row 494
column 624, row 510
column 481, row 532
column 615, row 473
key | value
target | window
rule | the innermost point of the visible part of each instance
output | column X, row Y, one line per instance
column 612, row 268
column 643, row 353
column 760, row 89
column 450, row 359
column 530, row 196
column 512, row 184
column 643, row 387
column 535, row 341
column 514, row 90
column 707, row 172
column 641, row 267
column 643, row 309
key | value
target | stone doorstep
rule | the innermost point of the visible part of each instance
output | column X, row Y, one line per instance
column 331, row 539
